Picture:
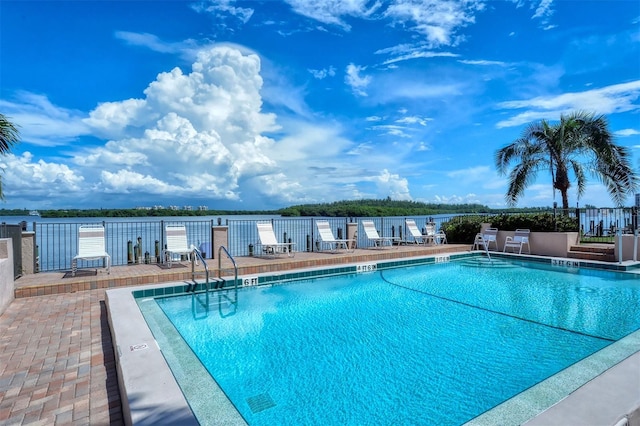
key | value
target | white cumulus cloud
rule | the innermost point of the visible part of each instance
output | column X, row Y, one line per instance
column 355, row 80
column 607, row 100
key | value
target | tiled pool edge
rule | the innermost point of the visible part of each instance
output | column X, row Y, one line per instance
column 205, row 396
column 138, row 409
column 529, row 406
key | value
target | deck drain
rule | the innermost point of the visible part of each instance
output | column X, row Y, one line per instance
column 260, row 402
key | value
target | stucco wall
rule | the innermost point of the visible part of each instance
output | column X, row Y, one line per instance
column 627, row 247
column 28, row 252
column 7, row 286
column 554, row 244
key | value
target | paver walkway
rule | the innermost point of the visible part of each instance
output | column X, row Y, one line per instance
column 57, row 364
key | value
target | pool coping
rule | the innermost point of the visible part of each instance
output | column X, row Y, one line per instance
column 150, row 391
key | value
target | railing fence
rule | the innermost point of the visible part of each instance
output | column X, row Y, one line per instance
column 142, row 241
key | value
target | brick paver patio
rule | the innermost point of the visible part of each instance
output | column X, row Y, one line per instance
column 57, row 363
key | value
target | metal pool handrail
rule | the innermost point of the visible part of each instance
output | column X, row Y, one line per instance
column 193, row 267
column 235, row 265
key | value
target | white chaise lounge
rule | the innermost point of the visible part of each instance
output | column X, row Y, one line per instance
column 418, row 237
column 269, row 243
column 91, row 246
column 176, row 245
column 372, row 235
column 328, row 240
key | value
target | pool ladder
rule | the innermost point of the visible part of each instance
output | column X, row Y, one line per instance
column 224, row 298
column 235, row 267
column 194, row 260
column 219, row 282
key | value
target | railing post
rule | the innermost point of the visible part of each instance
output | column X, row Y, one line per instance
column 36, row 260
column 162, row 239
column 619, row 235
column 129, row 252
column 104, row 225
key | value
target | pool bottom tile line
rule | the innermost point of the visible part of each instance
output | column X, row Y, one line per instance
column 469, row 305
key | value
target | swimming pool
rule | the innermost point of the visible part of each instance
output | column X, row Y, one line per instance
column 426, row 344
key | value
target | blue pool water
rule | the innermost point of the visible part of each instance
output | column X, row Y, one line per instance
column 433, row 344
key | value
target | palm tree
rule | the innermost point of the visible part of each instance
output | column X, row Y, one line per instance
column 9, row 136
column 581, row 144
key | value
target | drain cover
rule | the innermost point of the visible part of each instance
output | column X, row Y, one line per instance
column 260, row 402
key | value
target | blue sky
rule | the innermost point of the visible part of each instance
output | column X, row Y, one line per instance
column 266, row 104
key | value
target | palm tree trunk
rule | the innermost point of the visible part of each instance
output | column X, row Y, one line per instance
column 565, row 202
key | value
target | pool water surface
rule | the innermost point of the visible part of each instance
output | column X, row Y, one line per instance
column 429, row 344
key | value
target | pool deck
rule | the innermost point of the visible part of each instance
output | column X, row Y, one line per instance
column 57, row 362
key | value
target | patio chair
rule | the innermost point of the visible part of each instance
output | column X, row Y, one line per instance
column 372, row 235
column 483, row 240
column 91, row 246
column 327, row 238
column 269, row 243
column 438, row 237
column 418, row 237
column 518, row 241
column 176, row 245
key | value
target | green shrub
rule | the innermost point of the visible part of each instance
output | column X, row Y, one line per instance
column 463, row 229
column 536, row 222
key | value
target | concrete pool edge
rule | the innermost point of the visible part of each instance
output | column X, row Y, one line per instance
column 151, row 395
column 148, row 390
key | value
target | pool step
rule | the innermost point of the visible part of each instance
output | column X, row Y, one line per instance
column 600, row 252
column 483, row 262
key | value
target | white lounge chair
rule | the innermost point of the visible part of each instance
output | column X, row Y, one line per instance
column 328, row 240
column 176, row 244
column 269, row 243
column 518, row 241
column 91, row 246
column 418, row 238
column 372, row 235
column 483, row 240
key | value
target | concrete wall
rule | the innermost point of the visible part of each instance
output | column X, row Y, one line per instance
column 554, row 244
column 627, row 247
column 28, row 253
column 7, row 286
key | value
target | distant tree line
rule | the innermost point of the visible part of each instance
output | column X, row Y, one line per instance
column 353, row 208
column 388, row 207
column 128, row 213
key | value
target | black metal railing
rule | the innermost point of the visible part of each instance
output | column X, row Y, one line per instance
column 127, row 242
column 130, row 242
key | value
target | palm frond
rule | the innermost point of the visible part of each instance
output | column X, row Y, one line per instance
column 9, row 134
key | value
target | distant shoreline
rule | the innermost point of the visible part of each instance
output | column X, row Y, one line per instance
column 354, row 208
